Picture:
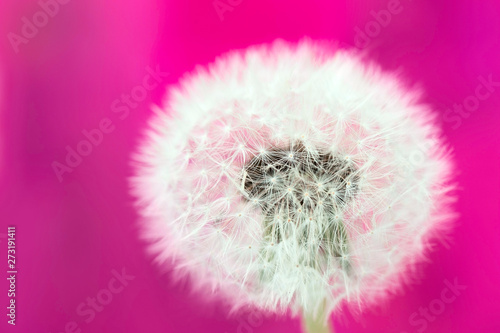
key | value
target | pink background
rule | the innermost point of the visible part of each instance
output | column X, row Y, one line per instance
column 72, row 234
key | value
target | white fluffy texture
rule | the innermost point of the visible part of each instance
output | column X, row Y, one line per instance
column 191, row 171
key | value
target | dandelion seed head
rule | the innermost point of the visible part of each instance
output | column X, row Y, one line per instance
column 284, row 175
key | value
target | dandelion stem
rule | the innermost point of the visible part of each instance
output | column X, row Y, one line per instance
column 317, row 323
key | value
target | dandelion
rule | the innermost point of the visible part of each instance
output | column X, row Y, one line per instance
column 284, row 177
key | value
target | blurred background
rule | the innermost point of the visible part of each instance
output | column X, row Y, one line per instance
column 76, row 93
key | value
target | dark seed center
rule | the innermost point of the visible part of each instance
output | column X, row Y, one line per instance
column 298, row 185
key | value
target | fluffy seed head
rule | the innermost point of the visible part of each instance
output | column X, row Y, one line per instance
column 291, row 177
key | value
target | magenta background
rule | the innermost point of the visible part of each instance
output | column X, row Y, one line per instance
column 72, row 234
